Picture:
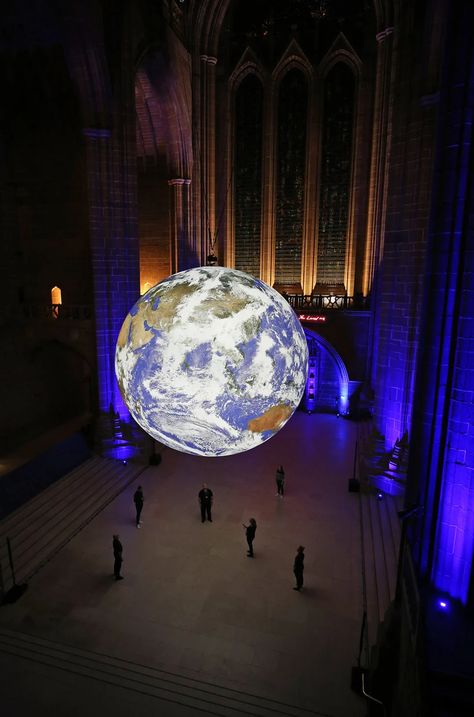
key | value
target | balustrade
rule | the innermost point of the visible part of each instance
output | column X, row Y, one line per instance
column 299, row 302
column 69, row 312
column 317, row 302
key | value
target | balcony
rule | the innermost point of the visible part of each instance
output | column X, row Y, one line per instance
column 314, row 303
column 61, row 312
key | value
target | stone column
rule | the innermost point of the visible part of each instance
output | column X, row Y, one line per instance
column 208, row 153
column 114, row 257
column 179, row 223
column 267, row 252
column 381, row 138
column 441, row 467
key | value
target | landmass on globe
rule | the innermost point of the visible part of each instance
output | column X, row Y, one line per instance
column 211, row 361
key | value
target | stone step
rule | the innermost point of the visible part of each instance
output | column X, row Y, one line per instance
column 170, row 690
column 35, row 508
column 372, row 597
column 48, row 522
column 381, row 539
column 387, row 483
column 390, row 548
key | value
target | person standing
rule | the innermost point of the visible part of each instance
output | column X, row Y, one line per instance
column 138, row 499
column 280, row 481
column 205, row 497
column 298, row 567
column 250, row 535
column 118, row 550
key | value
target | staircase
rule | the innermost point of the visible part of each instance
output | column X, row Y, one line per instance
column 380, row 534
column 381, row 541
column 41, row 527
column 121, row 680
column 385, row 470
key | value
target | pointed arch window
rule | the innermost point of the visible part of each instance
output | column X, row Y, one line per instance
column 290, row 180
column 335, row 174
column 248, row 174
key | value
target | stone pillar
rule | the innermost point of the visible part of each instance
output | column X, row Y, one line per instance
column 179, row 224
column 441, row 466
column 267, row 251
column 208, row 154
column 114, row 257
column 381, row 138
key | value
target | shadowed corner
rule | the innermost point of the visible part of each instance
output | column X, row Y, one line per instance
column 14, row 594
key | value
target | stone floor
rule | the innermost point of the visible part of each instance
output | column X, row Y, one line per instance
column 192, row 603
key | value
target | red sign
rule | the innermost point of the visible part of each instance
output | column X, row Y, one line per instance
column 316, row 318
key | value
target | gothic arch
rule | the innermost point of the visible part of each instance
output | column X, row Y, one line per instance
column 248, row 66
column 340, row 51
column 205, row 22
column 339, row 367
column 163, row 113
column 292, row 58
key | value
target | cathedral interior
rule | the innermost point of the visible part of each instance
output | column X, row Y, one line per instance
column 326, row 148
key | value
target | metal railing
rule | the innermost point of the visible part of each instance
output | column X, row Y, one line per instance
column 64, row 312
column 318, row 302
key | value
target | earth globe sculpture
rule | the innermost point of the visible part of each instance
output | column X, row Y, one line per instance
column 211, row 361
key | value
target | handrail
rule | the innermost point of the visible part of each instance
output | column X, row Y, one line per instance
column 371, row 697
column 309, row 302
column 69, row 312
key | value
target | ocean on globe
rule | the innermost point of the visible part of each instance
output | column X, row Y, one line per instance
column 211, row 361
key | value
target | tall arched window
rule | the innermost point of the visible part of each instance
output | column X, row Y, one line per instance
column 248, row 174
column 291, row 162
column 335, row 174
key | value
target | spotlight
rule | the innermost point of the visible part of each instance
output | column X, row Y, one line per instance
column 442, row 604
column 379, row 496
column 124, row 462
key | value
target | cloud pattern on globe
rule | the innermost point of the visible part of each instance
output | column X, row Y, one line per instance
column 211, row 361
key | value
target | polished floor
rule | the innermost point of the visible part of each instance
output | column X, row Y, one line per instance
column 192, row 603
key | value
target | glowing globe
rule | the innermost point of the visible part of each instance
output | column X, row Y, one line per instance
column 211, row 361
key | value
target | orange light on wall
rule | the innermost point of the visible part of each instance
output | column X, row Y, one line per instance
column 144, row 287
column 56, row 300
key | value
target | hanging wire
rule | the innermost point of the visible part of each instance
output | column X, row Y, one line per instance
column 211, row 258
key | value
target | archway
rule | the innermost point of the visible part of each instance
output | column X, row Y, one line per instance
column 327, row 386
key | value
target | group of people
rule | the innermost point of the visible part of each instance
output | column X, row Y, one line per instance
column 205, row 498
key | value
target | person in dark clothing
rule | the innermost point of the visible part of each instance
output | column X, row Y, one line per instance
column 250, row 535
column 205, row 501
column 138, row 499
column 298, row 567
column 280, row 481
column 118, row 550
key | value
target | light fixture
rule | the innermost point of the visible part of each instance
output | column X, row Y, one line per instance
column 211, row 259
column 319, row 9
